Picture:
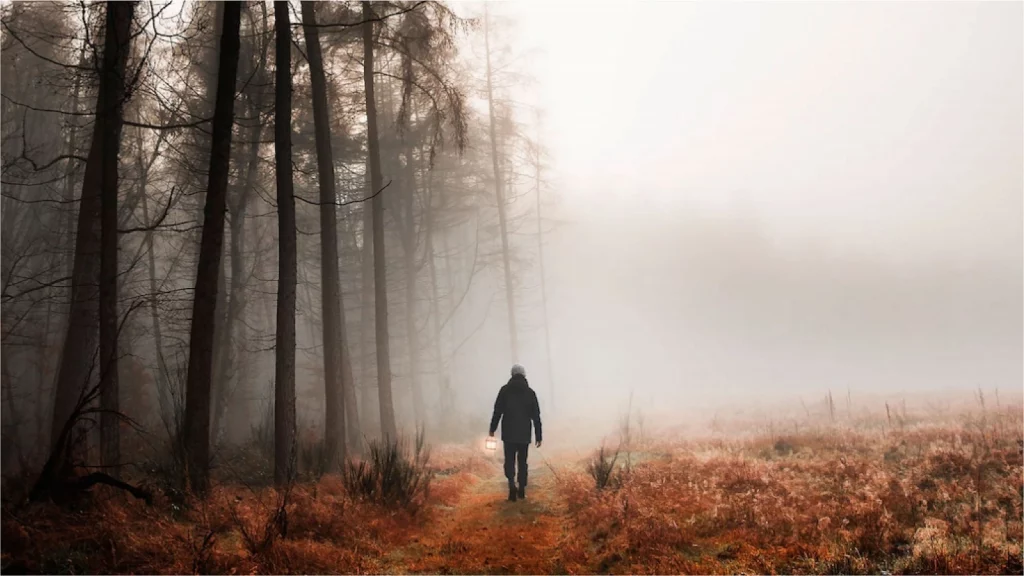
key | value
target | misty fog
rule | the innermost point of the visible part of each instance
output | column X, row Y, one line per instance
column 691, row 205
column 771, row 201
column 278, row 278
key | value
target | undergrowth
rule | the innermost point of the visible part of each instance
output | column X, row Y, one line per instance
column 921, row 499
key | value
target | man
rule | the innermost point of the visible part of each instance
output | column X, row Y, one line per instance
column 516, row 407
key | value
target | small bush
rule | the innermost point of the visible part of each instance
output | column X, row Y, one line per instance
column 392, row 475
column 602, row 468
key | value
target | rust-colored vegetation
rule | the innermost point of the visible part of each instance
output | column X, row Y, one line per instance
column 922, row 498
column 897, row 496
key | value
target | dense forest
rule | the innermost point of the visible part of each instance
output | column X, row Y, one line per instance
column 265, row 266
column 223, row 221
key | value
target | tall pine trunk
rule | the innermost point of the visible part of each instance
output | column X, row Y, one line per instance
column 284, row 365
column 387, row 407
column 444, row 385
column 115, row 56
column 201, row 340
column 499, row 193
column 83, row 316
column 366, row 307
column 543, row 279
column 227, row 360
column 335, row 350
column 164, row 397
column 411, row 270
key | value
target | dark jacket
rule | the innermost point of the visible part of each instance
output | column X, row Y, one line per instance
column 516, row 407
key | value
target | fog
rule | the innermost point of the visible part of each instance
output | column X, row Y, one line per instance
column 672, row 207
column 774, row 200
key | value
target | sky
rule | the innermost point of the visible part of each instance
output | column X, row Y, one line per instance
column 777, row 198
column 893, row 128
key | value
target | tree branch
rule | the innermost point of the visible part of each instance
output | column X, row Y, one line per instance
column 361, row 22
column 347, row 202
column 159, row 221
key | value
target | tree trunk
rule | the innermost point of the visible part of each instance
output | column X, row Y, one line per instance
column 411, row 269
column 67, row 225
column 201, row 340
column 162, row 379
column 509, row 289
column 366, row 307
column 119, row 23
column 99, row 186
column 388, row 426
column 335, row 346
column 284, row 366
column 444, row 385
column 236, row 291
column 543, row 280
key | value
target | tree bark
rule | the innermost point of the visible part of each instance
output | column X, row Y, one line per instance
column 509, row 289
column 366, row 307
column 227, row 359
column 284, row 366
column 201, row 340
column 162, row 379
column 335, row 345
column 388, row 426
column 444, row 384
column 411, row 269
column 99, row 197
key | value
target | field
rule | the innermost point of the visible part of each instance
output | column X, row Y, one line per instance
column 884, row 493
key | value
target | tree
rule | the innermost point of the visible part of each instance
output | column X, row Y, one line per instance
column 387, row 408
column 200, row 365
column 227, row 367
column 115, row 56
column 284, row 360
column 538, row 165
column 335, row 345
column 509, row 292
column 99, row 187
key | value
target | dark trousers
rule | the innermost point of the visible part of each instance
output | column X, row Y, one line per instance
column 516, row 451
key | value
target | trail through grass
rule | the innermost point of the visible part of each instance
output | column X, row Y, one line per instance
column 483, row 533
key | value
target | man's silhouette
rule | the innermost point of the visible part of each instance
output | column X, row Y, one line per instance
column 516, row 407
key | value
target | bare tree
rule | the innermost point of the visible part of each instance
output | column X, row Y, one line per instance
column 115, row 57
column 538, row 165
column 79, row 348
column 509, row 291
column 335, row 345
column 200, row 365
column 387, row 408
column 284, row 366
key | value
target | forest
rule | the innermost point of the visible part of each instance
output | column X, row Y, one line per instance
column 266, row 265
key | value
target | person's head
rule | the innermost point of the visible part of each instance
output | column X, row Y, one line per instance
column 518, row 370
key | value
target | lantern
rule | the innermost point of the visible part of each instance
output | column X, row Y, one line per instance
column 491, row 443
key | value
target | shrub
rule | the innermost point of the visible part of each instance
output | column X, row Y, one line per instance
column 602, row 468
column 392, row 475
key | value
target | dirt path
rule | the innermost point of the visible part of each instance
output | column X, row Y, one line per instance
column 485, row 534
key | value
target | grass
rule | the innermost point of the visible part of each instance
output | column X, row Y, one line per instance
column 927, row 499
column 928, row 495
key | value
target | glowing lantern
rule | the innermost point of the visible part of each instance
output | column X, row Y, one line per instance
column 491, row 443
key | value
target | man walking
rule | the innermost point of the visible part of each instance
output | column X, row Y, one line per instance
column 516, row 407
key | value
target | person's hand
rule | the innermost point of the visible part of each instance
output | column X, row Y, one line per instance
column 490, row 435
column 538, row 443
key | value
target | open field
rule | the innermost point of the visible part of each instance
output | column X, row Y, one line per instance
column 912, row 495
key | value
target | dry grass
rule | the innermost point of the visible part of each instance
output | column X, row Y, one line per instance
column 925, row 500
column 316, row 527
column 928, row 496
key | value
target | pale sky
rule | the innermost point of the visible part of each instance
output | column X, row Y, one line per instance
column 888, row 127
column 883, row 138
